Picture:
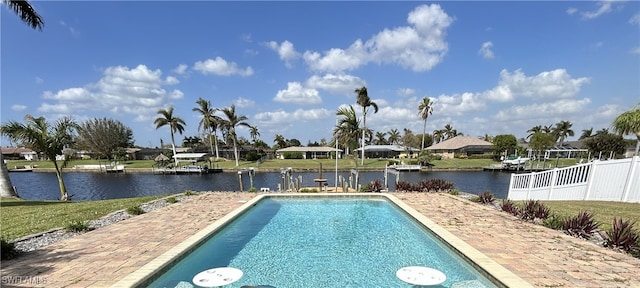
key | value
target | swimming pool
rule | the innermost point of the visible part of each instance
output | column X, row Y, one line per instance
column 320, row 241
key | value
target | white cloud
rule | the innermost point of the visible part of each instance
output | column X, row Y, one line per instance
column 181, row 69
column 72, row 30
column 341, row 84
column 544, row 111
column 17, row 107
column 635, row 50
column 138, row 91
column 485, row 50
column 221, row 67
column 278, row 121
column 296, row 93
column 243, row 102
column 418, row 47
column 39, row 80
column 458, row 104
column 635, row 19
column 403, row 92
column 246, row 38
column 549, row 84
column 572, row 10
column 285, row 50
column 603, row 8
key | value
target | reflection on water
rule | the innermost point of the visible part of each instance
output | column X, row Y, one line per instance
column 94, row 186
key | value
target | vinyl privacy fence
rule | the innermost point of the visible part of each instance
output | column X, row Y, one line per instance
column 611, row 180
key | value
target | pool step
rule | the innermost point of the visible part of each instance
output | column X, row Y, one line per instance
column 468, row 284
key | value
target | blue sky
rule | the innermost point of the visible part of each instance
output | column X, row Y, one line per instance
column 490, row 67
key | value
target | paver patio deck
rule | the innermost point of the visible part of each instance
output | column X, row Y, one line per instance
column 541, row 256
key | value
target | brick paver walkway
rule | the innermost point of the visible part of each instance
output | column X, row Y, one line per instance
column 541, row 256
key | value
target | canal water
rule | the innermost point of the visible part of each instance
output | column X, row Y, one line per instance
column 97, row 186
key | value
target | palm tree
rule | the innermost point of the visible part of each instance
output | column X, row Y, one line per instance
column 394, row 136
column 562, row 130
column 26, row 13
column 534, row 130
column 424, row 110
column 365, row 102
column 37, row 134
column 449, row 132
column 176, row 124
column 347, row 128
column 438, row 135
column 629, row 123
column 280, row 141
column 208, row 122
column 586, row 133
column 380, row 138
column 231, row 123
column 254, row 133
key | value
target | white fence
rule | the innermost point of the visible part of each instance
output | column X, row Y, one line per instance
column 612, row 180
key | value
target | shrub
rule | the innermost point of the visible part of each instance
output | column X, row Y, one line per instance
column 403, row 186
column 510, row 207
column 374, row 186
column 308, row 190
column 253, row 156
column 486, row 197
column 534, row 210
column 171, row 200
column 554, row 222
column 8, row 249
column 581, row 225
column 292, row 155
column 77, row 226
column 253, row 190
column 189, row 193
column 454, row 192
column 135, row 210
column 622, row 235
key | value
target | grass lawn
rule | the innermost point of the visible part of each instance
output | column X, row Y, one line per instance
column 604, row 211
column 24, row 217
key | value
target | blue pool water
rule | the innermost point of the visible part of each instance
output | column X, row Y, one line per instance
column 323, row 242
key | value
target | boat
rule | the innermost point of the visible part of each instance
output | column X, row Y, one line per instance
column 22, row 168
column 514, row 163
column 405, row 167
column 185, row 169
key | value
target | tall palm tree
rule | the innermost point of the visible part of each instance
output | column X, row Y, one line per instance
column 209, row 122
column 438, row 135
column 380, row 138
column 347, row 128
column 629, row 123
column 365, row 102
column 562, row 130
column 6, row 188
column 27, row 14
column 38, row 135
column 586, row 133
column 534, row 130
column 394, row 136
column 424, row 110
column 25, row 11
column 254, row 133
column 231, row 123
column 280, row 141
column 176, row 124
column 449, row 132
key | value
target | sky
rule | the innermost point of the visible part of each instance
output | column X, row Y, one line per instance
column 490, row 68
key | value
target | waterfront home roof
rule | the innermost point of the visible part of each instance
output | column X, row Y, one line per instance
column 308, row 149
column 16, row 150
column 183, row 156
column 386, row 148
column 461, row 142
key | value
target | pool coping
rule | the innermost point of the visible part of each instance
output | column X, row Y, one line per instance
column 143, row 275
